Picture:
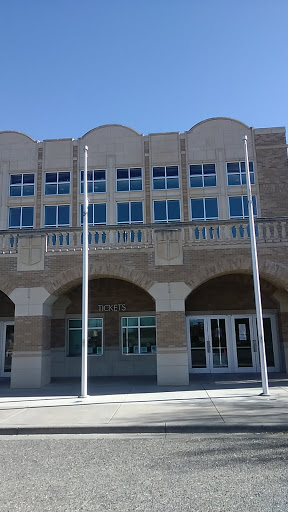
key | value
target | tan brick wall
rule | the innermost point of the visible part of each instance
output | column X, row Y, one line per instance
column 32, row 333
column 171, row 329
column 57, row 333
column 272, row 174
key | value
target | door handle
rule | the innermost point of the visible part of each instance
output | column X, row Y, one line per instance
column 255, row 346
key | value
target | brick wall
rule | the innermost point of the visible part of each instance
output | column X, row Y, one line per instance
column 272, row 174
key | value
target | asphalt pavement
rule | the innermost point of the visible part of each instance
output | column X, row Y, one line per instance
column 210, row 404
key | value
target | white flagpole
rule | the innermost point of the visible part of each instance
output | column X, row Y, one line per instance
column 85, row 281
column 259, row 314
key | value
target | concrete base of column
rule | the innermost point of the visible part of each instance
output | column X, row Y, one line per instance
column 30, row 369
column 172, row 367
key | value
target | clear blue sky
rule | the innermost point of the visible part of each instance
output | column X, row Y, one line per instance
column 154, row 65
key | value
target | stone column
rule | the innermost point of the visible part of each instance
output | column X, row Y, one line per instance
column 31, row 365
column 172, row 352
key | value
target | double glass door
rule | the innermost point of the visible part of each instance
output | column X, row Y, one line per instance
column 229, row 343
column 6, row 348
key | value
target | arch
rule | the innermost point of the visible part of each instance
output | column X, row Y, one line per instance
column 103, row 126
column 275, row 273
column 69, row 278
column 218, row 119
column 17, row 133
column 6, row 285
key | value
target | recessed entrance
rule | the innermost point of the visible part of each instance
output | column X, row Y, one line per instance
column 228, row 343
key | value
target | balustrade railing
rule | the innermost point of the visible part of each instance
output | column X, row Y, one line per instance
column 231, row 232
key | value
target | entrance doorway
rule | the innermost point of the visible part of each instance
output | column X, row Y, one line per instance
column 6, row 348
column 228, row 343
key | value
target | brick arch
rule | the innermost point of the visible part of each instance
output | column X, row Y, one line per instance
column 6, row 285
column 69, row 278
column 275, row 273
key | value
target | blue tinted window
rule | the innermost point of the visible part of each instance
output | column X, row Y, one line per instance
column 165, row 177
column 202, row 175
column 129, row 179
column 21, row 217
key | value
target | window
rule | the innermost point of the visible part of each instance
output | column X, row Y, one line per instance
column 21, row 185
column 165, row 177
column 129, row 179
column 96, row 213
column 57, row 215
column 238, row 206
column 21, row 217
column 128, row 213
column 236, row 173
column 57, row 183
column 166, row 211
column 204, row 208
column 202, row 175
column 96, row 181
column 139, row 335
column 95, row 337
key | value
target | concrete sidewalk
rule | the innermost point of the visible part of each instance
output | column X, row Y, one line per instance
column 217, row 403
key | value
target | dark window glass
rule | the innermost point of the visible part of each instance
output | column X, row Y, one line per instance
column 160, row 211
column 63, row 215
column 100, row 213
column 15, row 191
column 197, row 208
column 158, row 172
column 172, row 170
column 64, row 176
column 135, row 172
column 122, row 174
column 195, row 169
column 123, row 212
column 235, row 206
column 209, row 169
column 173, row 210
column 50, row 215
column 15, row 179
column 27, row 217
column 51, row 177
column 136, row 212
column 28, row 178
column 99, row 175
column 211, row 207
column 14, row 217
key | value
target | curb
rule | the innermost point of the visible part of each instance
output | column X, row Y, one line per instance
column 145, row 429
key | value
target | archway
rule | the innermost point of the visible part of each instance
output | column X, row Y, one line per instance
column 121, row 330
column 222, row 328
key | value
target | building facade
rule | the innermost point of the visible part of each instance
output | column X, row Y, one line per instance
column 170, row 275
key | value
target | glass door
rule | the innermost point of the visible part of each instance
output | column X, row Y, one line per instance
column 245, row 344
column 208, row 347
column 7, row 349
column 220, row 353
column 197, row 343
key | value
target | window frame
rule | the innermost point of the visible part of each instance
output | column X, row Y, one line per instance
column 139, row 327
column 203, row 175
column 240, row 173
column 129, row 221
column 255, row 206
column 93, row 223
column 57, row 225
column 22, row 184
column 79, row 328
column 165, row 177
column 21, row 208
column 93, row 181
column 204, row 199
column 166, row 207
column 57, row 183
column 129, row 180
